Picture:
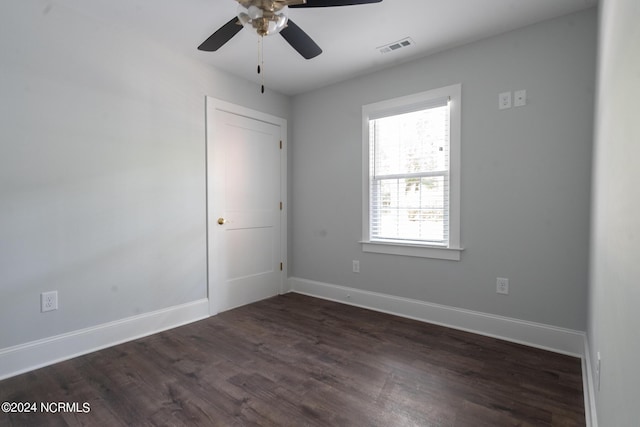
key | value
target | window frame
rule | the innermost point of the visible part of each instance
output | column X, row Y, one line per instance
column 399, row 105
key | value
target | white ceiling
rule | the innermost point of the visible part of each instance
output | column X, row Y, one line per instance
column 348, row 35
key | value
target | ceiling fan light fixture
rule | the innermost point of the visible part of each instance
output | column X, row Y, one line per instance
column 267, row 17
column 255, row 12
column 264, row 21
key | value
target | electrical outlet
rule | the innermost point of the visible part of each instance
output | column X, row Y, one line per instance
column 502, row 285
column 504, row 100
column 356, row 266
column 48, row 301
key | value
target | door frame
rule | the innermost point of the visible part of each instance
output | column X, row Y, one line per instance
column 211, row 106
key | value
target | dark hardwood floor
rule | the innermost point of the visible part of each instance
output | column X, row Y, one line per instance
column 293, row 360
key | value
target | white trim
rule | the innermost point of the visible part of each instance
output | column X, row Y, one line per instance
column 547, row 337
column 37, row 354
column 283, row 213
column 588, row 385
column 211, row 105
column 410, row 102
column 423, row 251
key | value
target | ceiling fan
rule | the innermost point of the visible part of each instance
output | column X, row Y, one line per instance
column 268, row 17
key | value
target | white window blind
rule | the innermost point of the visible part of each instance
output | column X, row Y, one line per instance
column 409, row 166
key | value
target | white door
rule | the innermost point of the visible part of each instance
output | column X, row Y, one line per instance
column 245, row 180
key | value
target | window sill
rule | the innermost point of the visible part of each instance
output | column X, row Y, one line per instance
column 404, row 249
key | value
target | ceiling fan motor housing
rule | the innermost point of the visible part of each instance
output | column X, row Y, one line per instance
column 267, row 17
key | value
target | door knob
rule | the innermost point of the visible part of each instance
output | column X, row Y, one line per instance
column 221, row 221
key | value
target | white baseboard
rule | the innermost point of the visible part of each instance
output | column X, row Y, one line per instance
column 36, row 354
column 589, row 387
column 547, row 337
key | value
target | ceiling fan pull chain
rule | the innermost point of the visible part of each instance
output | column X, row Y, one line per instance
column 259, row 53
column 261, row 62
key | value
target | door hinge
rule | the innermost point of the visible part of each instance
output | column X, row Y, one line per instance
column 281, row 144
column 280, row 205
column 281, row 266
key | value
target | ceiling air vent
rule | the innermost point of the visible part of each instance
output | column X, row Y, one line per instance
column 400, row 44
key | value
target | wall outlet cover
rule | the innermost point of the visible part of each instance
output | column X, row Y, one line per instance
column 502, row 285
column 48, row 301
column 504, row 100
column 356, row 266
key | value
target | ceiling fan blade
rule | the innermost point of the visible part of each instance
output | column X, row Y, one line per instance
column 330, row 3
column 221, row 36
column 300, row 41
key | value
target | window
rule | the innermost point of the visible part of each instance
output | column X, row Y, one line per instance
column 411, row 185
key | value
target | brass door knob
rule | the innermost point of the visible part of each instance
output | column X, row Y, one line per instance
column 221, row 221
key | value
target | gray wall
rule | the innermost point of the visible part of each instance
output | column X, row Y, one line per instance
column 525, row 176
column 614, row 294
column 102, row 170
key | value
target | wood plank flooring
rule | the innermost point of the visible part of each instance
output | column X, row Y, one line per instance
column 293, row 360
